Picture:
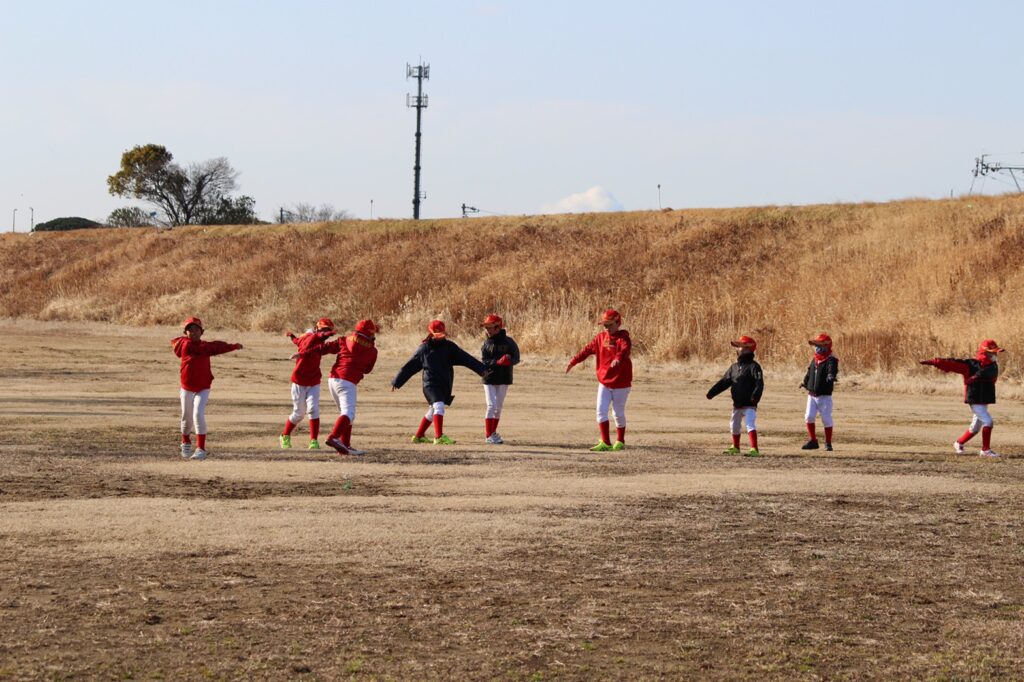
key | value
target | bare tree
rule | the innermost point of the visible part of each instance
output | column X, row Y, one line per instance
column 308, row 213
column 148, row 172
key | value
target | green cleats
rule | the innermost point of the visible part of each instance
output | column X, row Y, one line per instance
column 752, row 452
column 619, row 445
column 314, row 444
column 602, row 447
column 286, row 442
column 731, row 451
column 422, row 439
column 444, row 440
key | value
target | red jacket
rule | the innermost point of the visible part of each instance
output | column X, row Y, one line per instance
column 608, row 347
column 356, row 357
column 307, row 366
column 195, row 360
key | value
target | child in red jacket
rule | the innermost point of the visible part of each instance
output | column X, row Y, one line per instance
column 306, row 382
column 196, row 378
column 357, row 355
column 980, row 375
column 614, row 375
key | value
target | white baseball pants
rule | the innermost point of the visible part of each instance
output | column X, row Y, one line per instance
column 739, row 414
column 495, row 396
column 819, row 404
column 344, row 393
column 616, row 399
column 981, row 418
column 308, row 396
column 435, row 408
column 193, row 411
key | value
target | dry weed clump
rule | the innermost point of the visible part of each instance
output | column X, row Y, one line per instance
column 891, row 282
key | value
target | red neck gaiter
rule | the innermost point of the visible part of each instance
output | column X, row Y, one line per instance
column 822, row 357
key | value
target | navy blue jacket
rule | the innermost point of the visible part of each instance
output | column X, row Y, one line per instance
column 745, row 379
column 494, row 347
column 437, row 358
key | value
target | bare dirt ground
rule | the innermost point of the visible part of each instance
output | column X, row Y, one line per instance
column 538, row 560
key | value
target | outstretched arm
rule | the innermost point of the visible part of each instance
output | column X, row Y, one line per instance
column 722, row 384
column 949, row 365
column 409, row 369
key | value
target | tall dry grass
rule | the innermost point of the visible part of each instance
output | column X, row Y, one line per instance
column 891, row 282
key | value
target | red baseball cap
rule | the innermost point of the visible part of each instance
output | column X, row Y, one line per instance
column 821, row 339
column 367, row 328
column 611, row 315
column 990, row 346
column 190, row 321
column 325, row 324
column 436, row 329
column 744, row 342
column 492, row 320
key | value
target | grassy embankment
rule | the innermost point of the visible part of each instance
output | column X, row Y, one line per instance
column 891, row 282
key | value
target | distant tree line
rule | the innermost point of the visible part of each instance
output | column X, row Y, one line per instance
column 199, row 194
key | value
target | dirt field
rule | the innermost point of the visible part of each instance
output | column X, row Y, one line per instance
column 537, row 560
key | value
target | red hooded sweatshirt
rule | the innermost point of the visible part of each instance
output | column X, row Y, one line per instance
column 608, row 347
column 356, row 357
column 307, row 367
column 195, row 360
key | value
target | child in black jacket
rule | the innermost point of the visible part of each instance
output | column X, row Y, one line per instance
column 746, row 382
column 436, row 358
column 500, row 353
column 980, row 375
column 819, row 381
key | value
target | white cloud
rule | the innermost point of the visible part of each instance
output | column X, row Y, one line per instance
column 594, row 199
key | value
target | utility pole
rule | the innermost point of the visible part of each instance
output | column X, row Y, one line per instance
column 466, row 210
column 32, row 221
column 14, row 219
column 659, row 196
column 371, row 209
column 419, row 103
column 983, row 167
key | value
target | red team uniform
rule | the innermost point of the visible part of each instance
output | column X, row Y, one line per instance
column 196, row 379
column 612, row 347
column 306, row 382
column 357, row 355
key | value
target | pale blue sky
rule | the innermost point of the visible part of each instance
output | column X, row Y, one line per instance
column 723, row 104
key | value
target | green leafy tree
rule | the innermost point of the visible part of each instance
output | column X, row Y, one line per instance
column 69, row 223
column 129, row 216
column 231, row 211
column 148, row 172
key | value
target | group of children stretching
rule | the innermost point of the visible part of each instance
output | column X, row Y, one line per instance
column 437, row 356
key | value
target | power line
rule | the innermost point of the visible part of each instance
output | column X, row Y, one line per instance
column 983, row 168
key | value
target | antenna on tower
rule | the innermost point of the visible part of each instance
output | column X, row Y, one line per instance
column 419, row 103
column 466, row 210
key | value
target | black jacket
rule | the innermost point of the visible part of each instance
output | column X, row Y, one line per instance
column 437, row 358
column 745, row 379
column 821, row 378
column 494, row 347
column 979, row 379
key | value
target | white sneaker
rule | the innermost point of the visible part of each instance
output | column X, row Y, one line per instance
column 494, row 439
column 958, row 447
column 198, row 454
column 988, row 453
column 186, row 450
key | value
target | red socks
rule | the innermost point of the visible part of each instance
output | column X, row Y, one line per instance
column 964, row 438
column 736, row 440
column 828, row 435
column 753, row 439
column 490, row 427
column 185, row 438
column 810, row 431
column 288, row 427
column 422, row 430
column 605, row 435
column 986, row 437
column 620, row 434
column 339, row 427
column 314, row 428
column 201, row 441
column 438, row 425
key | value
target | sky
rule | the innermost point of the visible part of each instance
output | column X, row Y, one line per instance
column 534, row 107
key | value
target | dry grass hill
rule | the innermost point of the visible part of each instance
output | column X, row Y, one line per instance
column 891, row 282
